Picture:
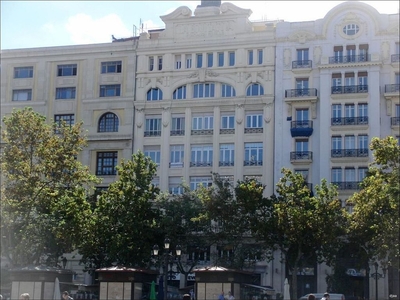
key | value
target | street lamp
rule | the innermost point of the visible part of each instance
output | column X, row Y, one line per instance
column 168, row 258
column 377, row 276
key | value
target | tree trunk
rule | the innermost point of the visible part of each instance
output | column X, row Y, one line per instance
column 293, row 286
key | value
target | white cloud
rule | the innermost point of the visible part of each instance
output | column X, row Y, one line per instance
column 83, row 29
column 48, row 28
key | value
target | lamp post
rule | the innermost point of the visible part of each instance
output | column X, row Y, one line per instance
column 168, row 258
column 377, row 276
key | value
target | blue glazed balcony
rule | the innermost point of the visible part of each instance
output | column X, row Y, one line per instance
column 301, row 128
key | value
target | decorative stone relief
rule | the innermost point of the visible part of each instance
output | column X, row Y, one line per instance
column 210, row 73
column 139, row 117
column 302, row 36
column 287, row 57
column 205, row 29
column 351, row 18
column 268, row 112
column 317, row 55
column 239, row 113
column 165, row 115
column 385, row 50
column 194, row 75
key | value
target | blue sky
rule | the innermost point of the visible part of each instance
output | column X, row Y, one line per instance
column 31, row 24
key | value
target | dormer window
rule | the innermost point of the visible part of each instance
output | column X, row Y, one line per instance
column 350, row 29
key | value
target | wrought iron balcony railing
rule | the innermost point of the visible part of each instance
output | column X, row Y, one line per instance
column 176, row 164
column 203, row 132
column 152, row 133
column 392, row 88
column 349, row 152
column 253, row 130
column 177, row 132
column 395, row 58
column 227, row 131
column 349, row 89
column 201, row 163
column 253, row 163
column 349, row 121
column 301, row 64
column 301, row 155
column 395, row 121
column 301, row 93
column 347, row 185
column 226, row 163
column 349, row 59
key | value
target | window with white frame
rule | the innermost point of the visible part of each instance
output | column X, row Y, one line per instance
column 221, row 58
column 22, row 95
column 110, row 90
column 178, row 125
column 67, row 70
column 201, row 156
column 363, row 109
column 228, row 122
column 336, row 111
column 336, row 174
column 23, row 72
column 196, row 181
column 349, row 110
column 349, row 79
column 199, row 60
column 254, row 120
column 108, row 122
column 231, row 55
column 255, row 89
column 350, row 29
column 111, row 67
column 178, row 62
column 349, row 175
column 253, row 154
column 349, row 142
column 362, row 173
column 363, row 142
column 176, row 156
column 301, row 145
column 153, row 126
column 202, row 122
column 302, row 55
column 154, row 153
column 151, row 63
column 301, row 83
column 260, row 56
column 159, row 61
column 179, row 93
column 210, row 60
column 66, row 93
column 362, row 78
column 337, row 143
column 250, row 57
column 336, row 80
column 226, row 154
column 204, row 90
column 227, row 91
column 175, row 185
column 154, row 94
column 106, row 163
column 338, row 53
column 188, row 58
column 303, row 172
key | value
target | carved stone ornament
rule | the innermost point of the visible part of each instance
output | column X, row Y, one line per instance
column 268, row 112
column 239, row 113
column 351, row 19
column 194, row 75
column 139, row 117
column 210, row 73
column 302, row 36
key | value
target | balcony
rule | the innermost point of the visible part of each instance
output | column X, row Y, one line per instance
column 203, row 132
column 349, row 59
column 349, row 153
column 349, row 89
column 349, row 121
column 176, row 164
column 177, row 132
column 301, row 156
column 201, row 164
column 392, row 88
column 395, row 121
column 226, row 163
column 227, row 131
column 293, row 93
column 301, row 128
column 253, row 130
column 152, row 133
column 302, row 64
column 348, row 185
column 395, row 58
column 253, row 162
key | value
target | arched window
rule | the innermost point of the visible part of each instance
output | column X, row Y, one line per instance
column 203, row 90
column 108, row 122
column 255, row 89
column 154, row 95
column 180, row 93
column 227, row 91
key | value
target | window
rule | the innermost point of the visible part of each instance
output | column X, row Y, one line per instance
column 175, row 186
column 151, row 63
column 351, row 53
column 231, row 55
column 304, row 174
column 250, row 58
column 350, row 29
column 350, row 175
column 201, row 156
column 159, row 60
column 108, row 122
column 363, row 142
column 154, row 94
column 260, row 55
column 153, row 127
column 362, row 173
column 336, row 174
column 301, row 83
column 302, row 54
column 178, row 62
column 255, row 89
column 254, row 120
column 178, row 126
column 349, row 142
column 188, row 61
column 210, row 57
column 23, row 72
column 68, row 119
column 228, row 122
column 154, row 153
column 176, row 156
column 253, row 154
column 227, row 91
column 22, row 95
column 363, row 110
column 349, row 110
column 65, row 93
column 179, row 93
column 111, row 67
column 199, row 60
column 338, row 53
column 111, row 90
column 349, row 79
column 397, row 110
column 337, row 80
column 301, row 145
column 363, row 52
column 204, row 90
column 106, row 163
column 336, row 143
column 220, row 59
column 202, row 122
column 226, row 154
column 66, row 70
column 336, row 111
column 302, row 114
column 195, row 182
column 362, row 78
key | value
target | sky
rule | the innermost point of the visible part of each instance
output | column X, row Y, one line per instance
column 31, row 24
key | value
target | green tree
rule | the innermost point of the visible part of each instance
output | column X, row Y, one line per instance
column 124, row 223
column 43, row 199
column 375, row 217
